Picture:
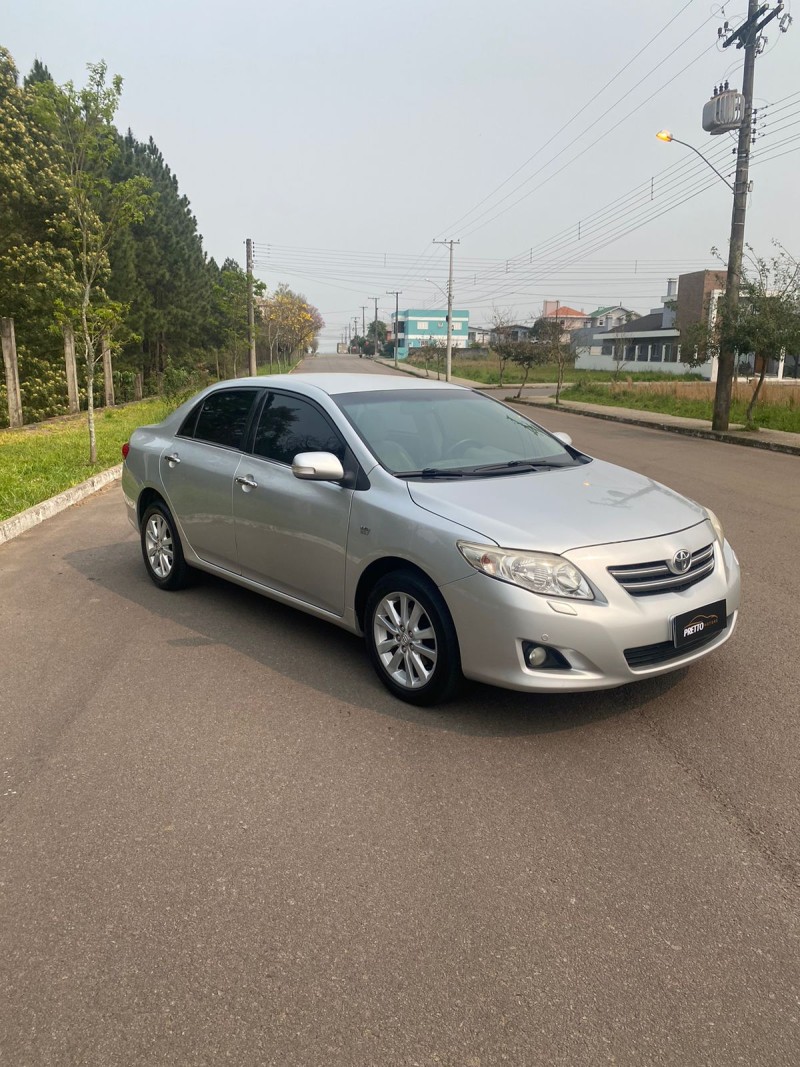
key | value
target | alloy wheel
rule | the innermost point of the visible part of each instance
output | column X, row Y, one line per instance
column 405, row 640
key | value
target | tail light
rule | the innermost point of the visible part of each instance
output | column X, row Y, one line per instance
column 125, row 450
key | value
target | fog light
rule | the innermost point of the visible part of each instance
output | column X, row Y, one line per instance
column 544, row 658
column 535, row 656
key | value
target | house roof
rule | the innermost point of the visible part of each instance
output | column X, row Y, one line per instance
column 605, row 310
column 654, row 321
column 565, row 312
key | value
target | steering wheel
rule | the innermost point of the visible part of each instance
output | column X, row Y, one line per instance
column 464, row 443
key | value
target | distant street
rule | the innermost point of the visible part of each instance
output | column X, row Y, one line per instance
column 224, row 842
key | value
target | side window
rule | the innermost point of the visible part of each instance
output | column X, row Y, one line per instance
column 289, row 425
column 223, row 417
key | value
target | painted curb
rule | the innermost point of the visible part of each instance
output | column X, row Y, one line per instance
column 26, row 520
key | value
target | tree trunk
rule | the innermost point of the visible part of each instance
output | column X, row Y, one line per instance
column 108, row 374
column 13, row 394
column 748, row 419
column 88, row 355
column 138, row 386
column 559, row 382
column 73, row 396
column 524, row 381
column 90, row 414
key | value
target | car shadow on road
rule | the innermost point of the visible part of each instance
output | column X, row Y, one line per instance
column 317, row 654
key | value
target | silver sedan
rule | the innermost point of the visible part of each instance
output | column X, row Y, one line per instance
column 458, row 536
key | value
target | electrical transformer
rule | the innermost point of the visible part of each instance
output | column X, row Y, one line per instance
column 723, row 112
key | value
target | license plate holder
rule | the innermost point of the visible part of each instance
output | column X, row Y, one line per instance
column 699, row 624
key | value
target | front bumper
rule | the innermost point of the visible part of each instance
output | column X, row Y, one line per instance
column 494, row 620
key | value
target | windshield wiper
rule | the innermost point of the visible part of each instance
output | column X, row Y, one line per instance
column 516, row 465
column 434, row 472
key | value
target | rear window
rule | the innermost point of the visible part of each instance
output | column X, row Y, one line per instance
column 224, row 416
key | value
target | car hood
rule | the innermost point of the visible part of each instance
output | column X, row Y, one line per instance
column 595, row 503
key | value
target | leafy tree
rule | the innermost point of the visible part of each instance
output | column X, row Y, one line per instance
column 765, row 321
column 371, row 347
column 525, row 354
column 38, row 74
column 502, row 318
column 289, row 323
column 159, row 268
column 35, row 264
column 547, row 335
column 434, row 350
column 97, row 208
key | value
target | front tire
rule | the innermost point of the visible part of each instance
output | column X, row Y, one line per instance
column 411, row 640
column 162, row 550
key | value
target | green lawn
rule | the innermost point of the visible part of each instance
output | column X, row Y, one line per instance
column 773, row 416
column 39, row 462
column 487, row 372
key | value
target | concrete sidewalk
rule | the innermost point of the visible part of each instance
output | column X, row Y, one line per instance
column 772, row 440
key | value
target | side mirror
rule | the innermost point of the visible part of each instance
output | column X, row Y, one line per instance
column 317, row 467
column 563, row 437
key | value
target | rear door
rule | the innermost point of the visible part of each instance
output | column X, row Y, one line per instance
column 198, row 470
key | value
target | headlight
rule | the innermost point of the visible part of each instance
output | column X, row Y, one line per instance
column 537, row 571
column 712, row 518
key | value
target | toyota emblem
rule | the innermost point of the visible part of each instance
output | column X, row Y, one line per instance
column 681, row 561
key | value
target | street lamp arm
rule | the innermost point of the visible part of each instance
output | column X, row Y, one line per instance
column 707, row 161
column 664, row 135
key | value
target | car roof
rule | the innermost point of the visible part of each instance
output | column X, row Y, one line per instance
column 342, row 383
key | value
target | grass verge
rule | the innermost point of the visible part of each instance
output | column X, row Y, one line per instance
column 487, row 372
column 44, row 460
column 778, row 406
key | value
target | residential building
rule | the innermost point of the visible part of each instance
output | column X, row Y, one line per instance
column 568, row 318
column 512, row 332
column 416, row 327
column 611, row 316
column 479, row 335
column 638, row 343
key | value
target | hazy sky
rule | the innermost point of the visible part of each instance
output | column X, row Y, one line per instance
column 342, row 137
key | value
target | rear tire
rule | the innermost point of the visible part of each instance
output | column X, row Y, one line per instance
column 411, row 640
column 162, row 550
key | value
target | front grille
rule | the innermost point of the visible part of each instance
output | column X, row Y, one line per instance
column 645, row 579
column 664, row 651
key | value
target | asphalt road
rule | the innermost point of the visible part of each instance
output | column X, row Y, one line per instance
column 224, row 842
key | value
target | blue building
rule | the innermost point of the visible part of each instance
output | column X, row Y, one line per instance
column 416, row 327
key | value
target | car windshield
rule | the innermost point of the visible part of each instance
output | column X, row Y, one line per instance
column 447, row 432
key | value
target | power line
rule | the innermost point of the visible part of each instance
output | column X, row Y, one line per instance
column 578, row 113
column 578, row 155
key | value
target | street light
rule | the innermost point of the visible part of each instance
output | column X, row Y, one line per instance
column 665, row 135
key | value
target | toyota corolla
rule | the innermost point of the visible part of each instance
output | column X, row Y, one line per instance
column 459, row 537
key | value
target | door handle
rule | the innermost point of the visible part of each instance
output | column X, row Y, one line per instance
column 247, row 482
column 173, row 459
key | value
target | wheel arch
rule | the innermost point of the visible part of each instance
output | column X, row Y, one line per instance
column 147, row 497
column 375, row 571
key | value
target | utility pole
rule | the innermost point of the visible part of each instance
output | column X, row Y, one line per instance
column 449, row 359
column 363, row 320
column 355, row 327
column 251, row 325
column 747, row 37
column 375, row 336
column 397, row 294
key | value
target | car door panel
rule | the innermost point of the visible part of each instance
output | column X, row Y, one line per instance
column 199, row 490
column 291, row 534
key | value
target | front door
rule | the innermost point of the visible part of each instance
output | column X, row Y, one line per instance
column 292, row 534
